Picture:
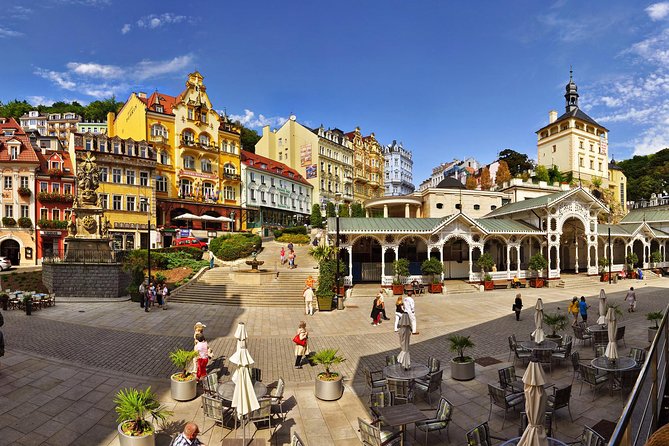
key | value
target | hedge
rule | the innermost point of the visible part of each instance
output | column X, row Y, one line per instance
column 235, row 246
column 292, row 230
column 294, row 238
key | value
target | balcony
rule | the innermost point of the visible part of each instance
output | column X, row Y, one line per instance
column 188, row 142
column 160, row 139
column 232, row 176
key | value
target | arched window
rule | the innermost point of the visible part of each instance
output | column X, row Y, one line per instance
column 208, row 190
column 230, row 169
column 185, row 187
column 164, row 158
column 204, row 139
column 188, row 137
column 229, row 193
column 158, row 130
column 189, row 162
column 205, row 165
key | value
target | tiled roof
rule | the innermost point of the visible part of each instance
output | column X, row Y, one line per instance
column 254, row 160
column 616, row 230
column 360, row 225
column 500, row 225
column 646, row 214
column 44, row 159
column 165, row 100
column 575, row 113
column 528, row 204
column 27, row 153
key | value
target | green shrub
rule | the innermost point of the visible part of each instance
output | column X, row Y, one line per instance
column 326, row 277
column 292, row 230
column 160, row 277
column 294, row 238
column 25, row 222
column 236, row 246
column 8, row 221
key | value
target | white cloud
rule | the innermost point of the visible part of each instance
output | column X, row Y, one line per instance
column 20, row 12
column 153, row 21
column 126, row 28
column 250, row 120
column 6, row 32
column 40, row 100
column 658, row 11
column 101, row 81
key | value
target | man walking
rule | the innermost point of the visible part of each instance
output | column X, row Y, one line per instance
column 410, row 310
column 188, row 437
column 631, row 300
column 308, row 300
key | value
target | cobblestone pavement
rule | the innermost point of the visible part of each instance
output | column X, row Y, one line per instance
column 75, row 348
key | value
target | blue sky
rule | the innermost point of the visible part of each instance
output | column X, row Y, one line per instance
column 447, row 78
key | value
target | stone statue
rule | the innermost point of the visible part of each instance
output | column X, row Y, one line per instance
column 72, row 227
column 104, row 227
column 88, row 180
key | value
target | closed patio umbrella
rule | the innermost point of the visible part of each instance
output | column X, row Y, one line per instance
column 602, row 308
column 244, row 398
column 611, row 348
column 535, row 406
column 404, row 357
column 186, row 216
column 538, row 333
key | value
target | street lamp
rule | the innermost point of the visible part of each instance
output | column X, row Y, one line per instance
column 145, row 201
column 340, row 303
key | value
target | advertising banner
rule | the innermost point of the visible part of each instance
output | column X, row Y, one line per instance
column 312, row 172
column 305, row 155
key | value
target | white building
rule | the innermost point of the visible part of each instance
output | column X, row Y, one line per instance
column 34, row 121
column 398, row 170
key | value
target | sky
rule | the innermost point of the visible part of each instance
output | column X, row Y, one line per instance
column 448, row 79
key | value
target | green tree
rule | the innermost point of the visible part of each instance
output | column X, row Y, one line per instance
column 330, row 209
column 503, row 173
column 15, row 109
column 316, row 216
column 541, row 174
column 97, row 110
column 343, row 210
column 249, row 138
column 554, row 175
column 357, row 210
column 517, row 162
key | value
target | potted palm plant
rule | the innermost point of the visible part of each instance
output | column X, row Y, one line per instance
column 400, row 269
column 462, row 367
column 603, row 264
column 183, row 384
column 631, row 259
column 537, row 264
column 329, row 385
column 486, row 262
column 433, row 267
column 557, row 322
column 653, row 316
column 134, row 407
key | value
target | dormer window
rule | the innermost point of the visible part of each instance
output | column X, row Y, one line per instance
column 14, row 152
column 102, row 145
column 159, row 108
column 9, row 132
column 55, row 165
column 88, row 144
column 117, row 148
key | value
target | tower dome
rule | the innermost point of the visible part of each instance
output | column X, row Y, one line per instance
column 571, row 95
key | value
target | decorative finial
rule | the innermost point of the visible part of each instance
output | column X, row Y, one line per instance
column 571, row 74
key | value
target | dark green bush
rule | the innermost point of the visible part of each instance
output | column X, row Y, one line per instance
column 235, row 246
column 326, row 277
column 295, row 230
column 294, row 238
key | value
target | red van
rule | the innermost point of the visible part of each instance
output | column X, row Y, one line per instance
column 189, row 242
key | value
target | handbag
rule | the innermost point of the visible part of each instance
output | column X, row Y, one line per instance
column 300, row 341
column 513, row 307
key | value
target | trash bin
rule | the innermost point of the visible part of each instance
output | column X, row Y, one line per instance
column 615, row 278
column 340, row 302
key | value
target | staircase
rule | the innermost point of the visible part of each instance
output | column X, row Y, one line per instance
column 459, row 287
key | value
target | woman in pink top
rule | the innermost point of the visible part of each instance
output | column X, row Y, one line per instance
column 202, row 349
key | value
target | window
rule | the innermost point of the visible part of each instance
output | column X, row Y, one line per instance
column 104, row 201
column 102, row 145
column 204, row 140
column 253, row 195
column 55, row 188
column 54, row 165
column 15, row 152
column 9, row 210
column 103, row 174
column 55, row 214
column 161, row 184
column 252, row 177
column 477, row 207
column 67, row 189
column 143, row 178
column 203, row 117
column 580, row 161
column 130, row 177
column 205, row 165
column 185, row 187
column 262, row 179
column 188, row 136
column 25, row 211
column 159, row 108
column 600, row 166
column 164, row 158
column 130, row 149
column 130, row 204
column 189, row 162
column 43, row 186
column 554, row 148
column 262, row 196
column 24, row 181
column 208, row 190
column 143, row 152
column 229, row 193
column 8, row 182
column 190, row 113
column 116, row 175
column 144, row 206
column 117, row 148
column 43, row 214
column 231, row 170
column 493, row 207
column 592, row 164
column 116, row 202
column 88, row 144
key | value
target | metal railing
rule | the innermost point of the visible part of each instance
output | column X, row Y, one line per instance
column 639, row 417
column 84, row 256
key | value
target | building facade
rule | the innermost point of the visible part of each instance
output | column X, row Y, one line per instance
column 198, row 157
column 335, row 161
column 95, row 127
column 33, row 120
column 458, row 169
column 18, row 166
column 126, row 192
column 61, row 125
column 398, row 170
column 273, row 194
column 368, row 177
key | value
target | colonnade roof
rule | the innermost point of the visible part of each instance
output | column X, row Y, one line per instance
column 647, row 215
column 530, row 203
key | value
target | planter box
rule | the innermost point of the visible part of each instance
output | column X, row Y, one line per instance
column 183, row 390
column 463, row 371
column 127, row 440
column 324, row 303
column 398, row 290
column 436, row 288
column 329, row 390
column 488, row 285
column 604, row 277
column 537, row 283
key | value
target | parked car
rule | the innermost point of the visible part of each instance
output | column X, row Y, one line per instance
column 5, row 263
column 189, row 242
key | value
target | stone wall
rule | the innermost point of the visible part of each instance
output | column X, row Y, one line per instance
column 85, row 279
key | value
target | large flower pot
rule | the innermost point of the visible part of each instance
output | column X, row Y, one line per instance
column 463, row 371
column 183, row 390
column 324, row 303
column 127, row 440
column 488, row 285
column 537, row 283
column 652, row 331
column 398, row 289
column 436, row 288
column 329, row 390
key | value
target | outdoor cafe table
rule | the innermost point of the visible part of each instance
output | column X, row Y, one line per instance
column 551, row 442
column 227, row 389
column 397, row 371
column 545, row 345
column 597, row 327
column 611, row 367
column 400, row 415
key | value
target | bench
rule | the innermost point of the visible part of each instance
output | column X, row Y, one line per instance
column 501, row 283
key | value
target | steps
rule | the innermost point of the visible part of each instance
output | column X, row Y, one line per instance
column 460, row 287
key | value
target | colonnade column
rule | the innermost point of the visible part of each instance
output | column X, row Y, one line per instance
column 350, row 263
column 385, row 211
column 576, row 260
column 407, row 211
column 470, row 259
column 441, row 259
column 508, row 261
column 383, row 263
column 419, row 212
column 518, row 260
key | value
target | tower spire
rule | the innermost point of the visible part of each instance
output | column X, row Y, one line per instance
column 571, row 95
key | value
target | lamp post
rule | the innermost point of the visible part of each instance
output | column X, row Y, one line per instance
column 148, row 237
column 610, row 252
column 340, row 305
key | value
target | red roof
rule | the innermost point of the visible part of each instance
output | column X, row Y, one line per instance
column 27, row 153
column 53, row 155
column 253, row 160
column 156, row 98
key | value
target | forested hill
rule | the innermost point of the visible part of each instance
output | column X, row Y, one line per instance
column 646, row 174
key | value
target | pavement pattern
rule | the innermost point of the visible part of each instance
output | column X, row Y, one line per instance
column 65, row 363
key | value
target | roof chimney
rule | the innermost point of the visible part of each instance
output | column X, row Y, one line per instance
column 142, row 95
column 552, row 116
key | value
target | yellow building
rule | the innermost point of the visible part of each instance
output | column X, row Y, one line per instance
column 618, row 185
column 368, row 165
column 126, row 191
column 198, row 168
column 577, row 144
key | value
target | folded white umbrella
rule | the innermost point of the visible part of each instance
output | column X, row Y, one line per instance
column 186, row 216
column 602, row 308
column 535, row 406
column 244, row 400
column 241, row 357
column 612, row 347
column 240, row 331
column 538, row 333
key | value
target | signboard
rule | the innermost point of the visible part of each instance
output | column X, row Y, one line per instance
column 603, row 145
column 192, row 173
column 311, row 172
column 121, row 225
column 184, row 233
column 305, row 155
column 50, row 233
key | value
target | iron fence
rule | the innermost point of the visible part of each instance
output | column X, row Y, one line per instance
column 85, row 256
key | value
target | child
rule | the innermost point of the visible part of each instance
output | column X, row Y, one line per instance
column 202, row 349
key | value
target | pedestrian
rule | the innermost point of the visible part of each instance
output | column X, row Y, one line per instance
column 291, row 259
column 399, row 311
column 639, row 273
column 142, row 294
column 631, row 300
column 290, row 246
column 282, row 254
column 159, row 294
column 309, row 283
column 301, row 341
column 583, row 309
column 188, row 437
column 382, row 293
column 308, row 295
column 410, row 310
column 203, row 353
column 377, row 306
column 574, row 310
column 152, row 294
column 518, row 305
column 211, row 260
